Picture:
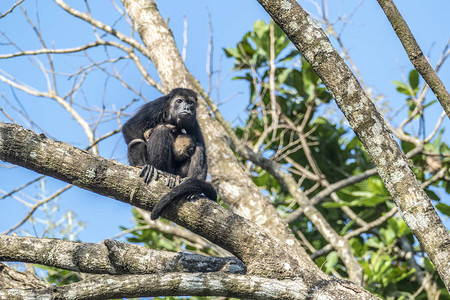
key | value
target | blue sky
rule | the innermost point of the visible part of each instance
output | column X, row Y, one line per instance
column 368, row 37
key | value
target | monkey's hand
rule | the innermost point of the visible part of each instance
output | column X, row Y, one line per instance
column 149, row 172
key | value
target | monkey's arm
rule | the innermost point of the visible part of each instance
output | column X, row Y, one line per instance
column 146, row 118
column 137, row 150
column 159, row 152
column 198, row 166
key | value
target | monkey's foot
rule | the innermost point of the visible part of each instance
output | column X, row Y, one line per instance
column 173, row 180
column 148, row 173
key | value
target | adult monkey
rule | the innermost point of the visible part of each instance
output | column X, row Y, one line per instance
column 165, row 135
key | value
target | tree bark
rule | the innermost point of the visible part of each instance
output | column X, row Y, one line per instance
column 232, row 183
column 110, row 257
column 263, row 255
column 253, row 245
column 415, row 54
column 175, row 284
column 368, row 124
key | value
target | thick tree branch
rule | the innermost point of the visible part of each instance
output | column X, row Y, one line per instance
column 262, row 254
column 12, row 281
column 188, row 236
column 415, row 54
column 370, row 127
column 109, row 257
column 115, row 180
column 180, row 284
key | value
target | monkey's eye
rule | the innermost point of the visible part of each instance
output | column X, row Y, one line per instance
column 179, row 100
column 190, row 102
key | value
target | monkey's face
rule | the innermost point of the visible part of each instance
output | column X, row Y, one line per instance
column 183, row 111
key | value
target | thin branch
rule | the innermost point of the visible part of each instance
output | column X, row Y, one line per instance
column 58, row 51
column 50, row 94
column 185, row 38
column 21, row 187
column 11, row 9
column 436, row 129
column 36, row 206
column 210, row 54
column 325, row 250
column 104, row 27
column 415, row 54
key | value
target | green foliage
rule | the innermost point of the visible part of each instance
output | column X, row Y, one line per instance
column 369, row 193
column 443, row 208
column 59, row 276
column 412, row 87
column 151, row 238
column 254, row 49
column 301, row 100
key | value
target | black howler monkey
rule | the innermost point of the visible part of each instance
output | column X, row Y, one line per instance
column 164, row 134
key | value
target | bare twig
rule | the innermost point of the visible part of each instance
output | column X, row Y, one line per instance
column 36, row 206
column 11, row 9
column 21, row 187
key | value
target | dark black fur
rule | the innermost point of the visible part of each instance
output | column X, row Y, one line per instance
column 196, row 187
column 163, row 120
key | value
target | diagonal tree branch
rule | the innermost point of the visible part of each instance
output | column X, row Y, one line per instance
column 415, row 54
column 368, row 124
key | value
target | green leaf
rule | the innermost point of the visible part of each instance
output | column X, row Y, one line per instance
column 366, row 268
column 428, row 264
column 232, row 52
column 334, row 204
column 332, row 260
column 283, row 75
column 374, row 242
column 402, row 276
column 290, row 56
column 387, row 235
column 260, row 28
column 429, row 104
column 432, row 195
column 357, row 247
column 365, row 201
column 401, row 87
column 413, row 79
column 443, row 208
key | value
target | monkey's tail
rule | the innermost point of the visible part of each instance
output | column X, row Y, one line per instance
column 189, row 187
